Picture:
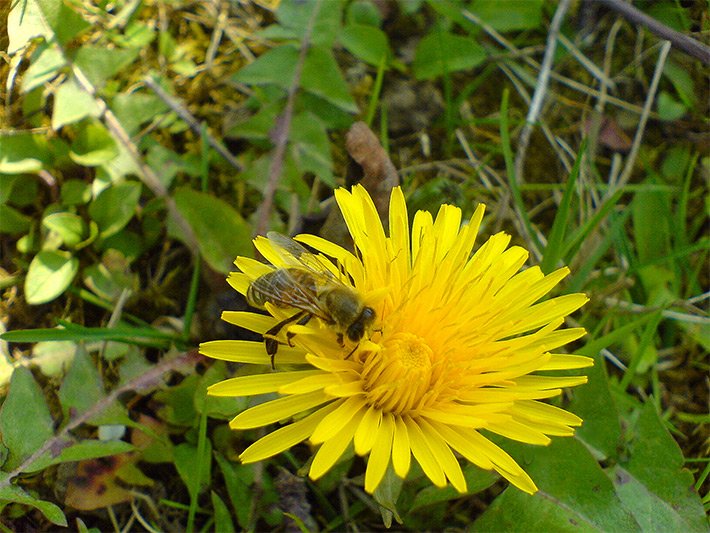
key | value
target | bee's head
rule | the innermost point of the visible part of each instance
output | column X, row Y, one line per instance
column 356, row 330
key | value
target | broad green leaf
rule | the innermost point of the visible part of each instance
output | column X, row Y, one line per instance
column 259, row 125
column 115, row 206
column 49, row 275
column 13, row 493
column 188, row 463
column 135, row 109
column 295, row 19
column 574, row 494
column 441, row 53
column 12, row 221
column 75, row 192
column 669, row 108
column 310, row 147
column 238, row 479
column 669, row 13
column 25, row 421
column 215, row 406
column 222, row 234
column 51, row 19
column 682, row 83
column 69, row 226
column 53, row 357
column 366, row 42
column 47, row 60
column 7, row 185
column 82, row 387
column 509, row 15
column 652, row 483
column 72, row 104
column 476, row 481
column 277, row 66
column 23, row 152
column 321, row 76
column 93, row 146
column 99, row 63
column 222, row 516
column 81, row 451
column 593, row 403
column 179, row 402
column 363, row 12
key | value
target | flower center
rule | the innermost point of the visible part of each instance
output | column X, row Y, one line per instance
column 398, row 378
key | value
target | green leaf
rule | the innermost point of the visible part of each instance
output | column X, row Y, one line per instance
column 366, row 42
column 669, row 108
column 321, row 76
column 187, row 463
column 49, row 275
column 682, row 83
column 81, row 451
column 13, row 493
column 651, row 218
column 115, row 206
column 70, row 227
column 363, row 12
column 441, row 53
column 238, row 479
column 652, row 482
column 222, row 516
column 25, row 421
column 72, row 104
column 51, row 19
column 277, row 66
column 593, row 402
column 295, row 19
column 12, row 221
column 509, row 15
column 100, row 63
column 82, row 387
column 73, row 332
column 93, row 146
column 310, row 147
column 476, row 481
column 135, row 109
column 574, row 494
column 23, row 153
column 221, row 232
column 46, row 62
column 75, row 192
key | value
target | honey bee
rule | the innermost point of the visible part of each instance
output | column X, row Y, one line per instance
column 313, row 291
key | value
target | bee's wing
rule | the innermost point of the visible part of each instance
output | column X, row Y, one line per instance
column 292, row 250
column 288, row 291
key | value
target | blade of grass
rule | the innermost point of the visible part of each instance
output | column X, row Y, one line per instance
column 71, row 332
column 194, row 494
column 646, row 339
column 582, row 274
column 377, row 89
column 554, row 249
column 531, row 237
column 575, row 241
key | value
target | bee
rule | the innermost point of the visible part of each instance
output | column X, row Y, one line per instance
column 310, row 288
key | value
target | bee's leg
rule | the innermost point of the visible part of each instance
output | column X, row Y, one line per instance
column 341, row 343
column 352, row 351
column 270, row 340
column 301, row 322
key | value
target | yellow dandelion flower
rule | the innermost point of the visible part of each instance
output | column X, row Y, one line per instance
column 454, row 348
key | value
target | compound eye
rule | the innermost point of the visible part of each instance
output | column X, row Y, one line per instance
column 356, row 331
